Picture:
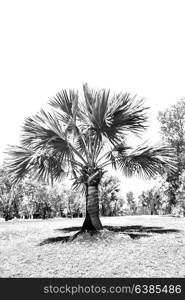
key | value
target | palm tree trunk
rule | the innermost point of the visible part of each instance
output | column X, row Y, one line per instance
column 92, row 221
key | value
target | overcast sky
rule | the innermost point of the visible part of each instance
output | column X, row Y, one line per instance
column 134, row 46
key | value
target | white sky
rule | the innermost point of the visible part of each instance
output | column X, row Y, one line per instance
column 130, row 46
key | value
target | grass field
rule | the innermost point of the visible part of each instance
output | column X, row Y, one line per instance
column 136, row 246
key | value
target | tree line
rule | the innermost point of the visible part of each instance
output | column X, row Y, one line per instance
column 33, row 199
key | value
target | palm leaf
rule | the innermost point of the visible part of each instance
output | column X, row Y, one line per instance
column 45, row 149
column 113, row 117
column 41, row 130
column 126, row 114
column 95, row 108
column 145, row 161
column 42, row 164
column 69, row 112
column 45, row 131
column 67, row 104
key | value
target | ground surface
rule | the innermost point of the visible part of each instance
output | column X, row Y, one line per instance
column 139, row 246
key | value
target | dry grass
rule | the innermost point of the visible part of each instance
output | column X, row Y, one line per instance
column 145, row 247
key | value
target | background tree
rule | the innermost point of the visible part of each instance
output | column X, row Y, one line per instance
column 179, row 210
column 111, row 202
column 131, row 202
column 83, row 138
column 57, row 201
column 172, row 122
column 32, row 199
column 4, row 199
column 152, row 200
column 73, row 202
column 10, row 198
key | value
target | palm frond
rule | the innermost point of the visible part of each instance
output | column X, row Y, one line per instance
column 95, row 109
column 113, row 117
column 41, row 130
column 44, row 148
column 45, row 131
column 18, row 161
column 126, row 114
column 67, row 108
column 145, row 161
column 67, row 103
column 42, row 164
column 69, row 112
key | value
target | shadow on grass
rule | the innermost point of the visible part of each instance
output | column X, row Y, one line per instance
column 69, row 229
column 57, row 239
column 135, row 232
column 127, row 229
column 138, row 229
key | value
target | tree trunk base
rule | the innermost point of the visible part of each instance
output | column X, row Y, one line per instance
column 91, row 223
column 82, row 231
column 87, row 227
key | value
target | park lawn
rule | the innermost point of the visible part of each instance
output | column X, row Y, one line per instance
column 142, row 246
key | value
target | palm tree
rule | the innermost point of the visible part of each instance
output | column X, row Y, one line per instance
column 83, row 137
